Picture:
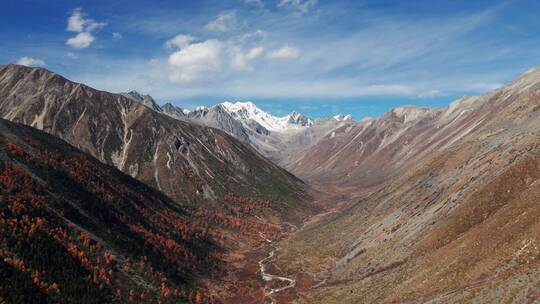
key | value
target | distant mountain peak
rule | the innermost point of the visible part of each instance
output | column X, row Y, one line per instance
column 343, row 117
column 174, row 111
column 299, row 119
column 146, row 100
column 248, row 112
column 201, row 108
column 239, row 105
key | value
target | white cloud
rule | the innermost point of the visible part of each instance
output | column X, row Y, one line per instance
column 240, row 61
column 224, row 22
column 254, row 53
column 301, row 6
column 435, row 53
column 29, row 61
column 117, row 36
column 72, row 55
column 81, row 40
column 179, row 41
column 78, row 23
column 192, row 61
column 316, row 89
column 260, row 34
column 285, row 52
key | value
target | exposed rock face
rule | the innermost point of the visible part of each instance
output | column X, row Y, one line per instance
column 218, row 117
column 174, row 111
column 146, row 100
column 274, row 137
column 444, row 204
column 299, row 119
column 188, row 162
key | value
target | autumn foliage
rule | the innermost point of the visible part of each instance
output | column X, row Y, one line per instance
column 49, row 203
column 73, row 230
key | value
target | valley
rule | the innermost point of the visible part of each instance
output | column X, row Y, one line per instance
column 420, row 205
column 270, row 152
column 446, row 216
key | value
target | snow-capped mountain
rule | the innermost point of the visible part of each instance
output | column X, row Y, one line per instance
column 343, row 117
column 299, row 119
column 274, row 137
column 247, row 111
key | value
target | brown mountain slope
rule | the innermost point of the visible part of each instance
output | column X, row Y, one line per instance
column 453, row 216
column 73, row 230
column 189, row 163
column 375, row 150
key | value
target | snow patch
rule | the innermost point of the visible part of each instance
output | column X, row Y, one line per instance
column 156, row 175
column 341, row 117
column 169, row 161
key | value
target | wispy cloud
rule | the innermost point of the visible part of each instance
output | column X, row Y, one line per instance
column 285, row 52
column 330, row 51
column 241, row 60
column 258, row 3
column 301, row 6
column 429, row 94
column 72, row 55
column 224, row 22
column 179, row 41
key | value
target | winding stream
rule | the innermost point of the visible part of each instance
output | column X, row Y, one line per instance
column 267, row 277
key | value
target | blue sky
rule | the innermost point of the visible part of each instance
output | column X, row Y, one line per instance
column 318, row 57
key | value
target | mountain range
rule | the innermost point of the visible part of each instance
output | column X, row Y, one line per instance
column 230, row 204
column 276, row 138
column 186, row 161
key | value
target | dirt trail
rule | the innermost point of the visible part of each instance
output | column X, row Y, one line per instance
column 270, row 292
column 267, row 277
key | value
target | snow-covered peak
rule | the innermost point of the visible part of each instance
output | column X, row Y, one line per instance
column 239, row 106
column 299, row 119
column 342, row 117
column 248, row 112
